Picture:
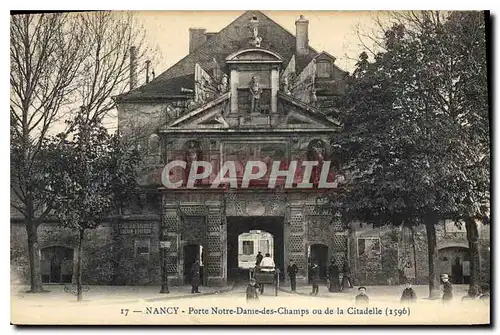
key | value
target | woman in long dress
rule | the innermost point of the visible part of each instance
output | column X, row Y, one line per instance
column 333, row 277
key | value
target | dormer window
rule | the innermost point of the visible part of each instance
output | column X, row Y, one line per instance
column 323, row 69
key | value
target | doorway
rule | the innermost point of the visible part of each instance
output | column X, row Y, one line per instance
column 191, row 252
column 246, row 226
column 319, row 254
column 57, row 265
column 455, row 262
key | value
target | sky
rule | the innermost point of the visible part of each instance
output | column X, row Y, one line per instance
column 331, row 31
column 335, row 32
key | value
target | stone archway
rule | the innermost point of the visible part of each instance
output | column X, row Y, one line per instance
column 238, row 225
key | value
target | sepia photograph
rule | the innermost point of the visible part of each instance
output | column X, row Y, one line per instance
column 250, row 167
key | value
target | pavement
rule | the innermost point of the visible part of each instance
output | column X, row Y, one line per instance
column 110, row 294
column 56, row 294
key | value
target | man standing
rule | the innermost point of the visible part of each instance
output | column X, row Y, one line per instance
column 333, row 277
column 315, row 278
column 195, row 276
column 447, row 288
column 258, row 258
column 292, row 273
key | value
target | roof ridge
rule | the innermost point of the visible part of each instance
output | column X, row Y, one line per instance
column 288, row 31
column 225, row 41
column 197, row 49
column 212, row 40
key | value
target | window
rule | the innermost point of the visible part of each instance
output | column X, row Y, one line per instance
column 451, row 226
column 323, row 69
column 142, row 247
column 369, row 247
column 247, row 247
column 264, row 246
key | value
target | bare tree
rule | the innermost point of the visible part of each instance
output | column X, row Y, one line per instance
column 107, row 67
column 45, row 57
column 61, row 64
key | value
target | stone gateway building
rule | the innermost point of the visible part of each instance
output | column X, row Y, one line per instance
column 251, row 92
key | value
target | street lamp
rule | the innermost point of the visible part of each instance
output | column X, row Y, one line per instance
column 164, row 246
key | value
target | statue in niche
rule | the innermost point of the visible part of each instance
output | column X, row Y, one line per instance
column 255, row 92
column 193, row 153
column 254, row 26
column 316, row 151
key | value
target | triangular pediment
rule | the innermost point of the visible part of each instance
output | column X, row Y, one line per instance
column 209, row 115
column 300, row 115
column 292, row 115
column 212, row 121
column 292, row 119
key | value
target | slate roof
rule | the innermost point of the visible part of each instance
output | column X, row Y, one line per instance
column 234, row 37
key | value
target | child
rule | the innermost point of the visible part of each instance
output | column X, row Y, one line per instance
column 408, row 295
column 252, row 290
column 361, row 298
column 447, row 288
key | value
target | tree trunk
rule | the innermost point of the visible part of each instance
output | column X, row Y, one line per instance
column 414, row 252
column 473, row 239
column 79, row 296
column 430, row 226
column 34, row 257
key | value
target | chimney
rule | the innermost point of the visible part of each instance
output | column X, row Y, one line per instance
column 197, row 37
column 147, row 70
column 133, row 67
column 302, row 36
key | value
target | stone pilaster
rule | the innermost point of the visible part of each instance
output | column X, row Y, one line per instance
column 234, row 91
column 274, row 90
column 170, row 232
column 214, row 260
column 296, row 241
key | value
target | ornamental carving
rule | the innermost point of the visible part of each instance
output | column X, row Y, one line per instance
column 255, row 204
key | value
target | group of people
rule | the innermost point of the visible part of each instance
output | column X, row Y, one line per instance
column 338, row 282
column 408, row 296
column 333, row 277
column 481, row 293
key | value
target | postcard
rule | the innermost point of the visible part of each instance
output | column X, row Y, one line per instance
column 250, row 167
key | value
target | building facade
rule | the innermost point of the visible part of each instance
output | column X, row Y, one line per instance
column 251, row 92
